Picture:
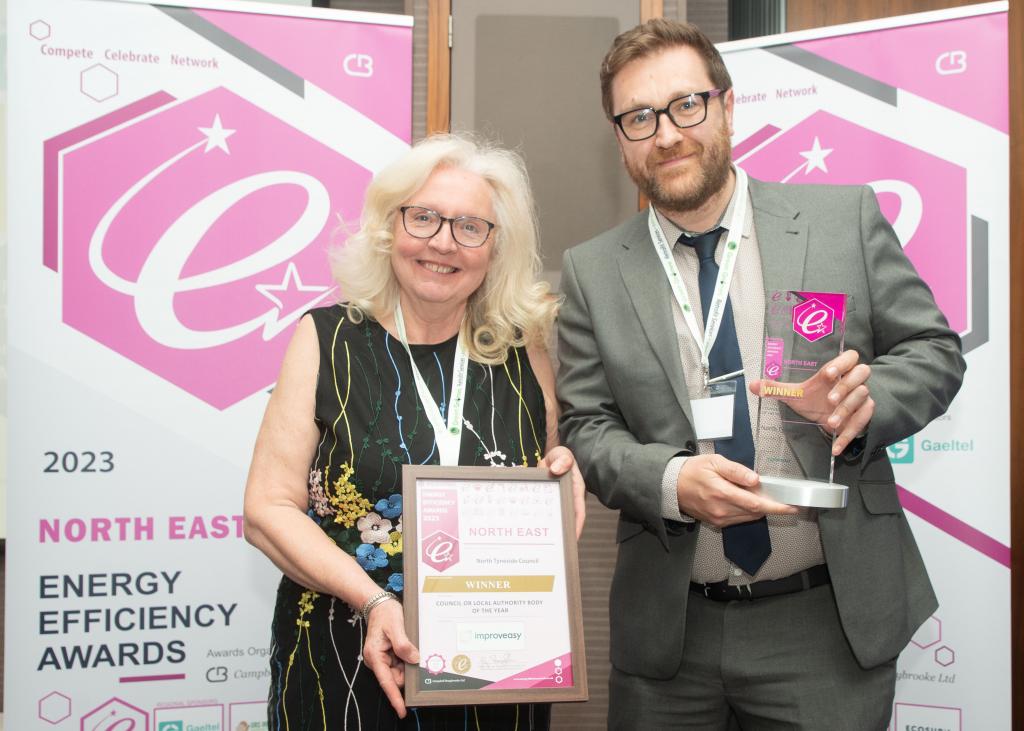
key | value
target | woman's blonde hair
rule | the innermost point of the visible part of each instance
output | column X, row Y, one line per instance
column 510, row 308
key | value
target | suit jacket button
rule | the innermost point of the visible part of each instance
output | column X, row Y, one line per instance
column 690, row 445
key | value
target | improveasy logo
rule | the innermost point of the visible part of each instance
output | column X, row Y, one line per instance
column 190, row 235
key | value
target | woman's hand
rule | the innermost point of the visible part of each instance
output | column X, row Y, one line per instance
column 560, row 460
column 387, row 649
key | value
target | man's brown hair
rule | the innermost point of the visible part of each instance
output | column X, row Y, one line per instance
column 654, row 36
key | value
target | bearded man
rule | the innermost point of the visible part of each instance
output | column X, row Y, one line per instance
column 728, row 609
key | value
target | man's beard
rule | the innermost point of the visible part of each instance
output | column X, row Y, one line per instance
column 715, row 162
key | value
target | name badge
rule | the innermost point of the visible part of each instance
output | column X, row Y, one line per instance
column 712, row 416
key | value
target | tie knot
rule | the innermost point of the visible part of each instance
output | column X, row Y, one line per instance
column 704, row 244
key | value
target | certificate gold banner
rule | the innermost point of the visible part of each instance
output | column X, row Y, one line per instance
column 462, row 584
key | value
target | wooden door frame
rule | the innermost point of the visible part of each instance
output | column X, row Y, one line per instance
column 1015, row 30
column 439, row 66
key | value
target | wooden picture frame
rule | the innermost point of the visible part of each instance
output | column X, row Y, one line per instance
column 511, row 629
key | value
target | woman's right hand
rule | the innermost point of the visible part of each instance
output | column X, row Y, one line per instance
column 387, row 649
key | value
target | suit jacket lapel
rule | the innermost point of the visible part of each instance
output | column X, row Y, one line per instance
column 781, row 238
column 649, row 291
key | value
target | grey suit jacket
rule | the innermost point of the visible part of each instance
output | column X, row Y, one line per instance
column 625, row 412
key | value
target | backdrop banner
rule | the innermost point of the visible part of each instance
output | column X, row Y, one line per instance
column 176, row 176
column 917, row 107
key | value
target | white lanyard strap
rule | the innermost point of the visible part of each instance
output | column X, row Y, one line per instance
column 448, row 437
column 716, row 310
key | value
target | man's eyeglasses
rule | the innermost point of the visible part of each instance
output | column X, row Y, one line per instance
column 424, row 223
column 686, row 111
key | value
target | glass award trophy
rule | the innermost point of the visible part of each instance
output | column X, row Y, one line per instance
column 793, row 454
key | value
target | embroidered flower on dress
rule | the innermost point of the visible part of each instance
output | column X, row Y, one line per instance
column 396, row 582
column 393, row 546
column 305, row 607
column 317, row 498
column 399, row 526
column 347, row 500
column 390, row 508
column 374, row 529
column 370, row 557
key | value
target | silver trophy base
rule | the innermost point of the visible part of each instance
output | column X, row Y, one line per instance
column 805, row 493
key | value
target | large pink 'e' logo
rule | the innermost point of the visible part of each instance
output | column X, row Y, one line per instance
column 193, row 234
column 924, row 197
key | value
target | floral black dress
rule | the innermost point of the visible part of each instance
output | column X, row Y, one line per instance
column 371, row 423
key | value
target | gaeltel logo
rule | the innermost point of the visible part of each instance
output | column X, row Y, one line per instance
column 901, row 452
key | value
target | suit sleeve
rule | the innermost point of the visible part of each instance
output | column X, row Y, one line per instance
column 625, row 474
column 918, row 366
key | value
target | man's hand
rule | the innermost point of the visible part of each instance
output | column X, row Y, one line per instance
column 836, row 398
column 387, row 649
column 719, row 492
column 559, row 461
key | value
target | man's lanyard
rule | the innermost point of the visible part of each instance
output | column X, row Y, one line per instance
column 447, row 437
column 716, row 310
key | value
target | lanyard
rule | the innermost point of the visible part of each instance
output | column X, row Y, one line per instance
column 447, row 437
column 716, row 310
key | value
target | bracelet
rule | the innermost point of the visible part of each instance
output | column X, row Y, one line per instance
column 379, row 598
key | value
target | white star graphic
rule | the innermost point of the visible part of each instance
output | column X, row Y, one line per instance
column 216, row 135
column 276, row 322
column 816, row 157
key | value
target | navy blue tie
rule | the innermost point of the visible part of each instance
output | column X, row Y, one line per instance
column 747, row 544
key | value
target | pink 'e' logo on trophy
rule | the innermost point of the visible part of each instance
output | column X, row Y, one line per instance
column 191, row 235
column 773, row 351
column 813, row 320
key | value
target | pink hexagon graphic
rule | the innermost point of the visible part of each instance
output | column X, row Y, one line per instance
column 115, row 715
column 813, row 320
column 945, row 656
column 200, row 245
column 440, row 551
column 54, row 707
column 922, row 195
column 928, row 634
column 39, row 29
column 99, row 83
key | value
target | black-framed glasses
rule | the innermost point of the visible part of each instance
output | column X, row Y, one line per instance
column 686, row 111
column 424, row 223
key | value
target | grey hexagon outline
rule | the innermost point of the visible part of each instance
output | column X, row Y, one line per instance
column 49, row 29
column 117, row 82
column 952, row 656
column 39, row 709
column 937, row 640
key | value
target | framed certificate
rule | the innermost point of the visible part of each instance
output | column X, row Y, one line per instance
column 492, row 589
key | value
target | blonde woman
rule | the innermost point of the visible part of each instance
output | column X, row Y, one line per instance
column 440, row 277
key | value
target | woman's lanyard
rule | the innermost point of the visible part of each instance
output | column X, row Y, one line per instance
column 447, row 437
column 716, row 310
